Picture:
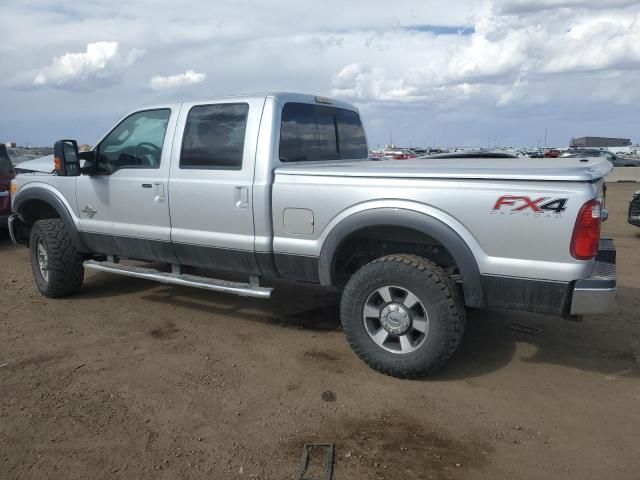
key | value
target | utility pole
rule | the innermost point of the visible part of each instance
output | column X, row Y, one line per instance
column 545, row 138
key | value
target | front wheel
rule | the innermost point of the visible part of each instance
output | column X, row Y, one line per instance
column 55, row 261
column 402, row 315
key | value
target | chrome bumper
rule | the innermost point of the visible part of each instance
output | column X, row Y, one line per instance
column 597, row 293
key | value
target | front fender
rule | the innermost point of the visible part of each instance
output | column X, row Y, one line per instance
column 46, row 194
column 419, row 221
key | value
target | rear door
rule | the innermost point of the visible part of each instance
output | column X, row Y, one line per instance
column 124, row 208
column 210, row 194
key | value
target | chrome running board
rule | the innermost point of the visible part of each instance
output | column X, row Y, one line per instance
column 237, row 288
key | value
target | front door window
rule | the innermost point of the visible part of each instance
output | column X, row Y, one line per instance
column 135, row 143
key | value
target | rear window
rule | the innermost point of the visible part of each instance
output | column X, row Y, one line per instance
column 214, row 137
column 316, row 132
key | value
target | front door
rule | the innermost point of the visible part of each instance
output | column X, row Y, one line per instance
column 123, row 207
column 210, row 187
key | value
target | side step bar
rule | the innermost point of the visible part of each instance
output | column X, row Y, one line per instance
column 237, row 288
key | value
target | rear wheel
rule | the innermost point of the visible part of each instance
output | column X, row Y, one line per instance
column 402, row 315
column 55, row 261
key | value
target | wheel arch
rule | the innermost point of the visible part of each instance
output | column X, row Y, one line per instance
column 38, row 203
column 413, row 220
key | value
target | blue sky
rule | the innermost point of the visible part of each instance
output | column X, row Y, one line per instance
column 453, row 73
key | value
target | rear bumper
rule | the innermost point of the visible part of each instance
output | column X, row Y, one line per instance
column 597, row 293
column 592, row 295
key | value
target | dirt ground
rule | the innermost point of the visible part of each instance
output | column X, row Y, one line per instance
column 136, row 380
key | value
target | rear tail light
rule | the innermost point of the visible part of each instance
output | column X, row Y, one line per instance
column 586, row 233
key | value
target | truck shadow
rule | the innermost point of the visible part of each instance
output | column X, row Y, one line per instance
column 607, row 344
column 291, row 306
column 5, row 241
column 104, row 285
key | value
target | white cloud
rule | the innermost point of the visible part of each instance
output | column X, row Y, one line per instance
column 528, row 6
column 508, row 58
column 100, row 60
column 524, row 62
column 189, row 77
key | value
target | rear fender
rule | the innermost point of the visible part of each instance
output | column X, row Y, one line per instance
column 409, row 218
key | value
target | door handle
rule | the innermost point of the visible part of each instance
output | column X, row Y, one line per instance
column 241, row 197
column 159, row 193
column 146, row 185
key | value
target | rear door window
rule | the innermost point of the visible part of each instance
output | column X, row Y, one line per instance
column 314, row 132
column 214, row 137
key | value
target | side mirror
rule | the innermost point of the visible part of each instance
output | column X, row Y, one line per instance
column 88, row 165
column 66, row 159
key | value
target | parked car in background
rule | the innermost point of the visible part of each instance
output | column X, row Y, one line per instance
column 475, row 154
column 6, row 175
column 552, row 153
column 19, row 155
column 616, row 160
column 398, row 154
column 38, row 165
column 634, row 210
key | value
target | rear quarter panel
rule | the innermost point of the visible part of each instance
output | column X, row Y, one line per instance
column 504, row 242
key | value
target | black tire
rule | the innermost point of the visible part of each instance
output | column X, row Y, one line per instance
column 63, row 262
column 439, row 299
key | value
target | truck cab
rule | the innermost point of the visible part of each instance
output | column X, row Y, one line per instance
column 190, row 183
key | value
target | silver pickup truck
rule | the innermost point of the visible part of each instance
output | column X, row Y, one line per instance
column 280, row 186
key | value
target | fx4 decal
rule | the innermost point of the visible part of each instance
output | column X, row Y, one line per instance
column 516, row 203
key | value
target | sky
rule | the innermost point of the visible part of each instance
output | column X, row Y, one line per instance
column 423, row 72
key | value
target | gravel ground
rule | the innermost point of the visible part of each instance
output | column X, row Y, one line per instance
column 132, row 379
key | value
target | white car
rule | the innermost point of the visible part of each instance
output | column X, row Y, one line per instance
column 38, row 165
